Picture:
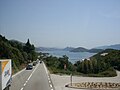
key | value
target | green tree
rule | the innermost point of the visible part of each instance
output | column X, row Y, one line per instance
column 28, row 47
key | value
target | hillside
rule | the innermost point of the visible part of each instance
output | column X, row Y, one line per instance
column 109, row 56
column 116, row 46
column 79, row 49
column 46, row 49
column 94, row 50
column 102, row 64
column 19, row 53
column 68, row 48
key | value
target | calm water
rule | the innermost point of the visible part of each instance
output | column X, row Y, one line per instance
column 73, row 56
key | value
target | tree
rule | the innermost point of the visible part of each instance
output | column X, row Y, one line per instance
column 28, row 47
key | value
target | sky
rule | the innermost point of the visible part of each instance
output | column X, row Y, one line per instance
column 61, row 23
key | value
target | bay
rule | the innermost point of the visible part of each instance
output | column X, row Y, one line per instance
column 73, row 56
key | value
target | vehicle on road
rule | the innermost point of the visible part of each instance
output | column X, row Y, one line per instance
column 34, row 63
column 29, row 67
column 5, row 74
column 40, row 61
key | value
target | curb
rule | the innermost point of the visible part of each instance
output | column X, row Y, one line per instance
column 18, row 73
column 49, row 78
column 95, row 85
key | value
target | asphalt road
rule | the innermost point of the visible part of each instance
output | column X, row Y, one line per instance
column 36, row 79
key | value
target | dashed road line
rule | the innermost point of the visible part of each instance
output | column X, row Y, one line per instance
column 51, row 85
column 24, row 84
column 29, row 78
column 49, row 79
column 21, row 89
column 26, row 81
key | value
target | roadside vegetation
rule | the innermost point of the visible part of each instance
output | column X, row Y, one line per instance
column 59, row 65
column 20, row 53
column 102, row 64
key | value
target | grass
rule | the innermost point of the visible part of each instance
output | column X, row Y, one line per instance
column 108, row 73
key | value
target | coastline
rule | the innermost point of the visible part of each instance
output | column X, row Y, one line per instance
column 73, row 56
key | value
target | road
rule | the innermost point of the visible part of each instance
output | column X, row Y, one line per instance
column 36, row 79
column 60, row 81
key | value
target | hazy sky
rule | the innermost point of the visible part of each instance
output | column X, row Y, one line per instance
column 61, row 23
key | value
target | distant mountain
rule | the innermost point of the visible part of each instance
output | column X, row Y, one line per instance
column 94, row 50
column 46, row 49
column 68, row 48
column 79, row 49
column 116, row 46
column 71, row 49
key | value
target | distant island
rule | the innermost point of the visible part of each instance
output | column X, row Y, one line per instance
column 46, row 49
column 115, row 46
column 81, row 49
column 71, row 49
column 68, row 48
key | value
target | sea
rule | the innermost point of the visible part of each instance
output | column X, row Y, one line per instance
column 73, row 56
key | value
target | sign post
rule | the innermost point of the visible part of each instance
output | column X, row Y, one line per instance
column 71, row 79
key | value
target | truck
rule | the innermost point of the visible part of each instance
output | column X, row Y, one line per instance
column 5, row 74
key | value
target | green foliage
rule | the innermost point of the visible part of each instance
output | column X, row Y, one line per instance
column 28, row 47
column 100, row 64
column 112, row 59
column 19, row 53
column 56, row 65
column 108, row 73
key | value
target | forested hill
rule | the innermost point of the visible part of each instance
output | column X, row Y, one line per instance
column 102, row 63
column 20, row 53
column 81, row 49
column 110, row 56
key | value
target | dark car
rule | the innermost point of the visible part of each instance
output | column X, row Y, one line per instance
column 40, row 61
column 29, row 67
column 34, row 63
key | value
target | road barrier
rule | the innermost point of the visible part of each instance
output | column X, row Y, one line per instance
column 94, row 85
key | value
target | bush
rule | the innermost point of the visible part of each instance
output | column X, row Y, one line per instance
column 109, row 73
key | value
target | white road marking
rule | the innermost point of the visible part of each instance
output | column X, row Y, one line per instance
column 51, row 85
column 49, row 79
column 29, row 77
column 18, row 73
column 24, row 84
column 32, row 73
column 26, row 81
column 21, row 89
column 45, row 68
